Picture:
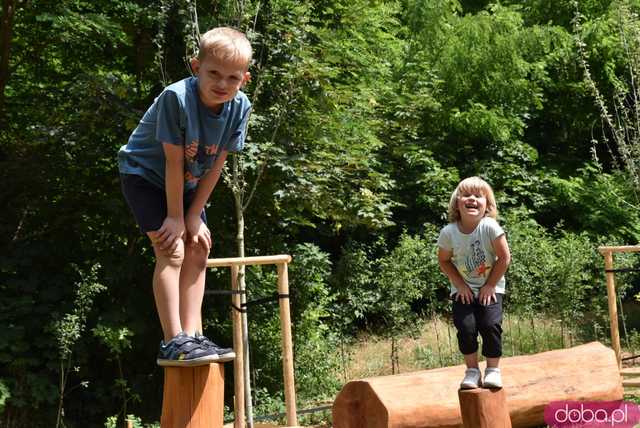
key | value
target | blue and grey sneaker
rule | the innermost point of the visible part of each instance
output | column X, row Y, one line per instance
column 185, row 351
column 224, row 354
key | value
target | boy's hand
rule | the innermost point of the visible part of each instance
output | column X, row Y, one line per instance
column 487, row 295
column 167, row 236
column 198, row 233
column 464, row 294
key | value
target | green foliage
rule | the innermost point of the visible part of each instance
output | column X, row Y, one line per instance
column 4, row 394
column 314, row 342
column 366, row 115
column 596, row 201
column 552, row 275
column 69, row 329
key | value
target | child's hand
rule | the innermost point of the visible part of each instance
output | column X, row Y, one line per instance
column 167, row 236
column 464, row 294
column 198, row 233
column 487, row 295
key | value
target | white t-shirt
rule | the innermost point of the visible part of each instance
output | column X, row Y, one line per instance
column 473, row 253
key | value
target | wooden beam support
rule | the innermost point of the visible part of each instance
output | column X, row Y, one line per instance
column 243, row 261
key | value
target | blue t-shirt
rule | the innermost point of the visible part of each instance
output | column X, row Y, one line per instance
column 178, row 116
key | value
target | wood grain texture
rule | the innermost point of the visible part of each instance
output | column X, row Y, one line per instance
column 193, row 397
column 484, row 408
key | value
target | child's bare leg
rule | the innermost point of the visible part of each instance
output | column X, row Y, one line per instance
column 493, row 362
column 192, row 281
column 166, row 280
column 471, row 360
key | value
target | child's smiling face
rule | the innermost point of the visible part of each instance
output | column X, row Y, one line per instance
column 218, row 80
column 472, row 205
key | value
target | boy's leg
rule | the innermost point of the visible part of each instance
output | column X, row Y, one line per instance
column 490, row 327
column 149, row 207
column 166, row 279
column 192, row 282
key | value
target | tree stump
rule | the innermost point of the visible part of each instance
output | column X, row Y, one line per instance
column 484, row 408
column 193, row 397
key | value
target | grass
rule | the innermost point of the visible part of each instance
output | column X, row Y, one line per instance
column 435, row 345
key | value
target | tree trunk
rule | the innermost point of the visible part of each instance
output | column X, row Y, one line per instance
column 6, row 33
column 238, row 201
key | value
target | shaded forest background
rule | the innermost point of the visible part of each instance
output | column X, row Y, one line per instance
column 366, row 115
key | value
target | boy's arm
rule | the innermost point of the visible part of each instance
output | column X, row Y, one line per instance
column 503, row 258
column 172, row 228
column 448, row 268
column 204, row 189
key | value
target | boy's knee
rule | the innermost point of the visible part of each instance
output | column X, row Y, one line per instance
column 173, row 256
column 196, row 255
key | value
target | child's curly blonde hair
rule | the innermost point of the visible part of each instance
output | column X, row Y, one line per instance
column 472, row 184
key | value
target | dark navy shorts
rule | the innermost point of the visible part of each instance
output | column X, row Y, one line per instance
column 148, row 202
column 474, row 318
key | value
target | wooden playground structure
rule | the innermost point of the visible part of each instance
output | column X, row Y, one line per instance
column 193, row 397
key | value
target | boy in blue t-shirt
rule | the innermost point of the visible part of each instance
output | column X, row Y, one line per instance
column 168, row 169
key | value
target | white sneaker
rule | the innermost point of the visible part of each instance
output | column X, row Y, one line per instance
column 471, row 379
column 492, row 378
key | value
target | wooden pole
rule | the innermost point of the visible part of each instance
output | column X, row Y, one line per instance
column 257, row 260
column 484, row 408
column 613, row 308
column 193, row 397
column 287, row 345
column 238, row 364
column 620, row 249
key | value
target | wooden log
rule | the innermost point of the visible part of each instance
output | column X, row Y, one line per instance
column 484, row 408
column 193, row 397
column 429, row 398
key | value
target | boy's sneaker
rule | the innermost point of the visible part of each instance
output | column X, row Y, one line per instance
column 224, row 354
column 492, row 378
column 471, row 379
column 185, row 351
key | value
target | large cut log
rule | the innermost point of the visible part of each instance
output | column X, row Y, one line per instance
column 429, row 398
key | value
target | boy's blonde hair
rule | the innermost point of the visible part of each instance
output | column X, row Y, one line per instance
column 226, row 44
column 472, row 184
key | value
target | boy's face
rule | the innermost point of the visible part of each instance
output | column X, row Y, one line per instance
column 218, row 81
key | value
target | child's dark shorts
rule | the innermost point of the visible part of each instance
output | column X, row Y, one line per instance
column 473, row 319
column 148, row 202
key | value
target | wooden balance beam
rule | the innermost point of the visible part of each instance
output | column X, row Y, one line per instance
column 429, row 398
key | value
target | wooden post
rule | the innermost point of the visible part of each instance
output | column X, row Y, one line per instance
column 238, row 363
column 484, row 408
column 287, row 345
column 607, row 252
column 613, row 308
column 193, row 397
